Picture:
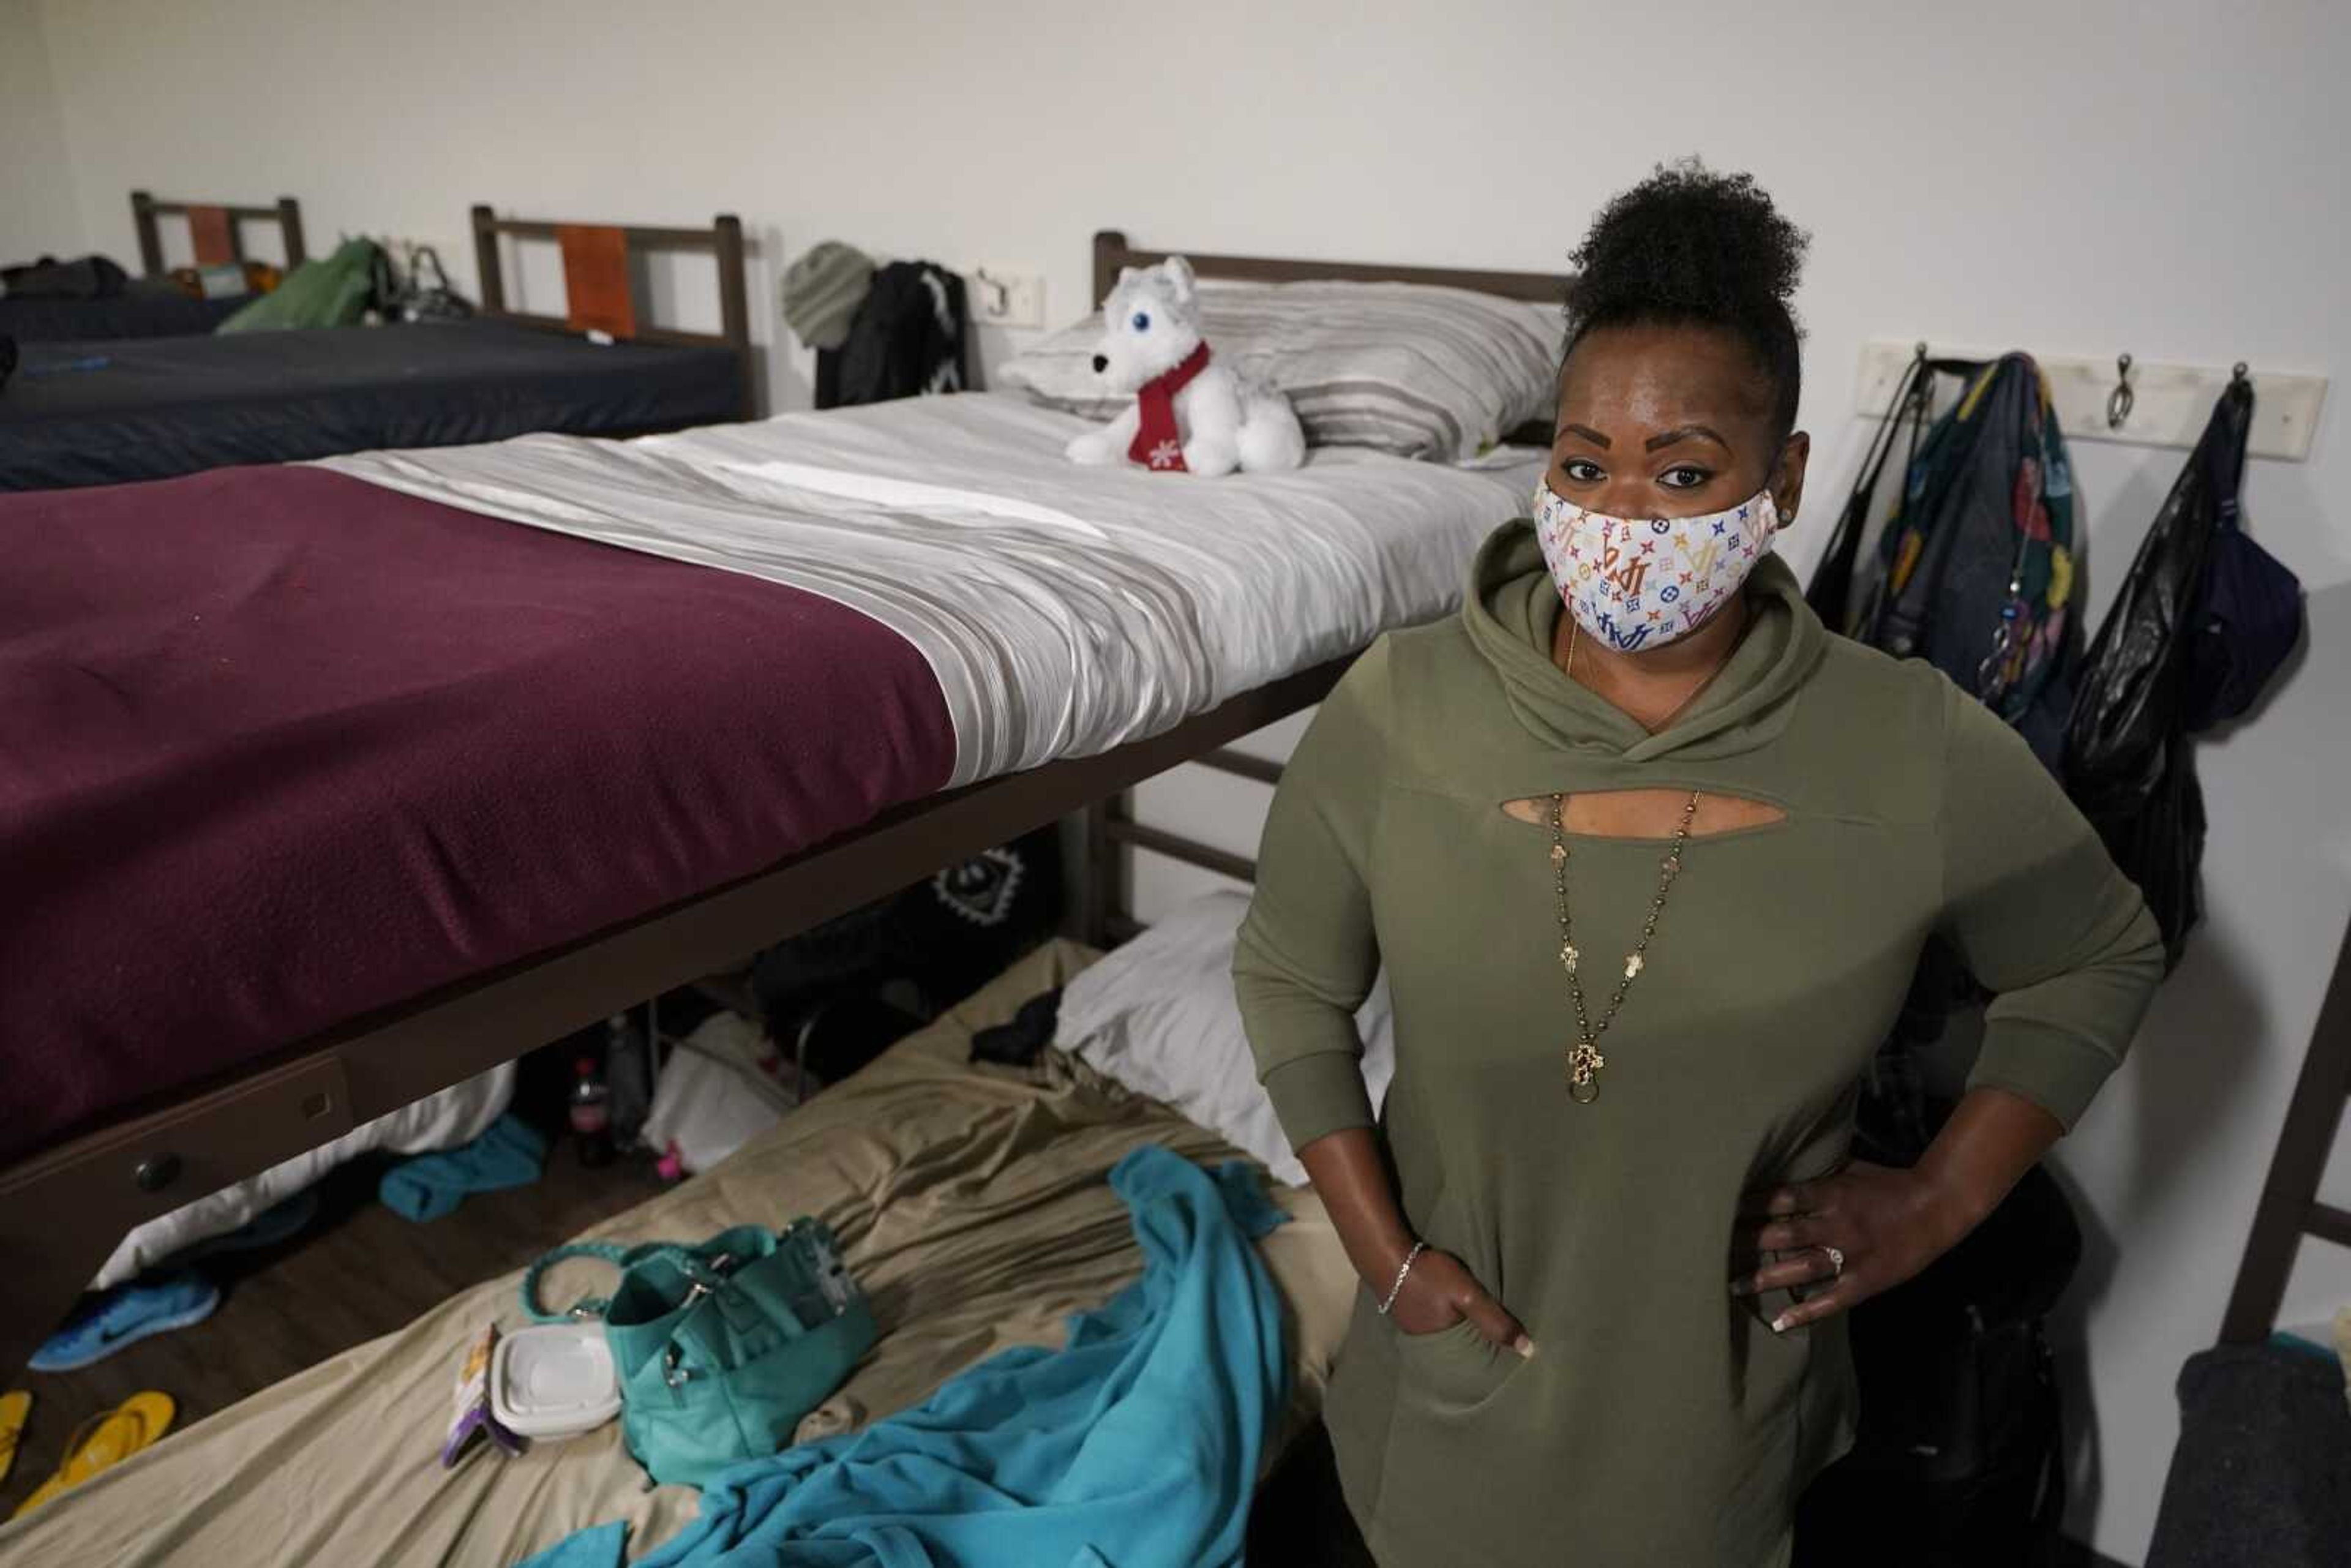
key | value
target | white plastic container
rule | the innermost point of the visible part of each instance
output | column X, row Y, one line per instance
column 554, row 1381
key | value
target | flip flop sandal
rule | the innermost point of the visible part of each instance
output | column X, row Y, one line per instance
column 125, row 1315
column 104, row 1441
column 15, row 1406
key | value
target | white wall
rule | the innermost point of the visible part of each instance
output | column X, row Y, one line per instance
column 39, row 215
column 2081, row 178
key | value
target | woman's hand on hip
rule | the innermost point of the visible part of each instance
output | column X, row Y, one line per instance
column 1842, row 1239
column 1439, row 1292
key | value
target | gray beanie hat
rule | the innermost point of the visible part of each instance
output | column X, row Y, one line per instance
column 822, row 290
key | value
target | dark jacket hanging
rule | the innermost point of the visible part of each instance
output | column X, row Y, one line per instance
column 908, row 339
column 2184, row 645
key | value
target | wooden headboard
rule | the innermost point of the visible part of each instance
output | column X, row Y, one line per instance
column 1113, row 251
column 723, row 239
column 145, row 209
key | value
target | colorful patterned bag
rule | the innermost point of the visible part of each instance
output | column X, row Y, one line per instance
column 1977, row 568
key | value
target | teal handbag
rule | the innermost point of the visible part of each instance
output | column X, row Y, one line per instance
column 722, row 1348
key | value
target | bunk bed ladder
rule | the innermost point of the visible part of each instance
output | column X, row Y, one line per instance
column 2290, row 1207
column 1105, row 905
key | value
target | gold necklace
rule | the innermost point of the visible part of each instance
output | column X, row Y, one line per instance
column 1575, row 629
column 1583, row 1059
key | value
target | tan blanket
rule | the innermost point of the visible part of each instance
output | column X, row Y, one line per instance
column 973, row 1206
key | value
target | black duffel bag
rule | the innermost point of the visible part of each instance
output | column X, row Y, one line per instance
column 1959, row 1458
column 87, row 277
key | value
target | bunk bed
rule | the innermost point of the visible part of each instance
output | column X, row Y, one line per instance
column 79, row 413
column 154, row 305
column 699, row 701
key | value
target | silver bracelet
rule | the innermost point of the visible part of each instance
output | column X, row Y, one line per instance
column 1398, row 1289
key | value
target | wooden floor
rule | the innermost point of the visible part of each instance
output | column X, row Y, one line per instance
column 360, row 1270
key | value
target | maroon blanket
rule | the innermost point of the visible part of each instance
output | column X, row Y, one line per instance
column 278, row 748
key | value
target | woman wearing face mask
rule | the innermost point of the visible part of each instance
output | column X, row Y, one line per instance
column 1649, row 856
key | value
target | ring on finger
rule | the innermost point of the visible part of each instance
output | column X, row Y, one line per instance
column 1836, row 1260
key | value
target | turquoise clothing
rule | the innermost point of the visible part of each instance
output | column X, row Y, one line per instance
column 1136, row 1446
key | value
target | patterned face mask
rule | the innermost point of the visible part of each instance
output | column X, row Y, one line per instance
column 1642, row 584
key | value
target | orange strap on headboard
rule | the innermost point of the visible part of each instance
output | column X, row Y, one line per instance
column 216, row 244
column 596, row 293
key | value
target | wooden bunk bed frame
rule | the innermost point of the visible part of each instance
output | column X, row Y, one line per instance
column 145, row 209
column 2290, row 1207
column 723, row 239
column 63, row 1208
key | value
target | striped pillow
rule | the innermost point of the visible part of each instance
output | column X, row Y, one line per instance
column 1413, row 369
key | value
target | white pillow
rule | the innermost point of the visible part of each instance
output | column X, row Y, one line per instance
column 1158, row 1015
column 1415, row 369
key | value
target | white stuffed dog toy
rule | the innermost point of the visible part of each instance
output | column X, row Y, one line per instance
column 1189, row 414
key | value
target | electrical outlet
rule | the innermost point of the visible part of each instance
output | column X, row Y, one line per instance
column 1006, row 298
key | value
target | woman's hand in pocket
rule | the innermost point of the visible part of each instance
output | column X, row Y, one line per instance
column 1439, row 1292
column 1350, row 1174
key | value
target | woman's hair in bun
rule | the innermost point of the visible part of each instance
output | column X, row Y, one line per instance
column 1691, row 246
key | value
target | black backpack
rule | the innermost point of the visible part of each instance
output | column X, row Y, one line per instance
column 1959, row 1460
column 88, row 277
column 907, row 339
column 837, row 993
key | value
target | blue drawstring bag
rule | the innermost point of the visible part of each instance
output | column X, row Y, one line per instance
column 2247, row 615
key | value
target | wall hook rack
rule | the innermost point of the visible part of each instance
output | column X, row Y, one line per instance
column 2158, row 404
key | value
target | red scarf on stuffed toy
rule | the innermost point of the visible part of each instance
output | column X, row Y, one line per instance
column 1158, row 443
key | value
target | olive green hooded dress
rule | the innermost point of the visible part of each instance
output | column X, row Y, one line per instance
column 1660, row 1421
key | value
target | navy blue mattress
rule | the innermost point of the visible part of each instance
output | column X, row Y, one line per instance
column 106, row 413
column 144, row 310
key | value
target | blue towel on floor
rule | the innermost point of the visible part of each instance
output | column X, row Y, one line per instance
column 1135, row 1446
column 430, row 1185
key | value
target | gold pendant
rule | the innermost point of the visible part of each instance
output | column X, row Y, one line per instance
column 1583, row 1065
column 1568, row 955
column 1632, row 965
